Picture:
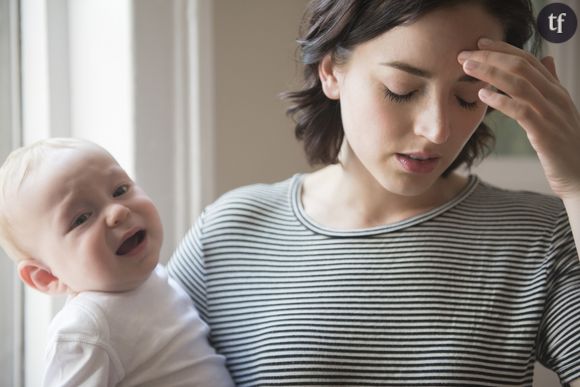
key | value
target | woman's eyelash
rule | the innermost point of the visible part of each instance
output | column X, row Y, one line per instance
column 467, row 105
column 398, row 98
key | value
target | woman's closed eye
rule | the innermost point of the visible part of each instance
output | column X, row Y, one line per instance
column 466, row 104
column 402, row 98
column 398, row 98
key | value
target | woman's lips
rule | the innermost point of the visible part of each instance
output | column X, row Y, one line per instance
column 418, row 162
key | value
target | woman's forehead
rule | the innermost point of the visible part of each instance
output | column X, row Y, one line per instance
column 443, row 31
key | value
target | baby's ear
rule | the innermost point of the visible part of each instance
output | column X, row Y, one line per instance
column 39, row 277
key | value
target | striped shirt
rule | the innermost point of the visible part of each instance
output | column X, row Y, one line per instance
column 471, row 293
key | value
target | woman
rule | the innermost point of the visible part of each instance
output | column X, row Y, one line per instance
column 386, row 267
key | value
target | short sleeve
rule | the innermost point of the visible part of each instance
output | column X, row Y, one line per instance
column 186, row 266
column 558, row 345
column 79, row 353
column 77, row 363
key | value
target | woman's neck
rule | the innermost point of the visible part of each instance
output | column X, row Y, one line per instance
column 337, row 199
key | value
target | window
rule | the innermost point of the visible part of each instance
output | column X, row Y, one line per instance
column 10, row 288
column 116, row 72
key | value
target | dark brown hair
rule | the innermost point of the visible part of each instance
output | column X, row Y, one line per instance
column 336, row 26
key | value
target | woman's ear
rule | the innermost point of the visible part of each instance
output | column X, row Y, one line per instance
column 39, row 277
column 328, row 78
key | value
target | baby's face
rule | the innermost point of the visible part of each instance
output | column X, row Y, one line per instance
column 84, row 218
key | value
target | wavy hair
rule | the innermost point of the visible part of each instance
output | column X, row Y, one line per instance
column 336, row 27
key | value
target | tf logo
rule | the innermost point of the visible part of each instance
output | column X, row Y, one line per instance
column 557, row 22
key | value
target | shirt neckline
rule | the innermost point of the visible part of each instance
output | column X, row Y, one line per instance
column 299, row 212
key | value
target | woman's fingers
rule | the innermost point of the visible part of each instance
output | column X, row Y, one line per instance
column 510, row 73
column 504, row 47
column 531, row 83
column 522, row 93
column 550, row 65
column 528, row 117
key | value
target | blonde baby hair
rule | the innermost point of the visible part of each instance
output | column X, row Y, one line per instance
column 19, row 164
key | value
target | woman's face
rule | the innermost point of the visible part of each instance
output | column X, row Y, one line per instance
column 407, row 106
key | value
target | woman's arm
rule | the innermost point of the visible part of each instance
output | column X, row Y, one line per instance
column 534, row 98
column 532, row 95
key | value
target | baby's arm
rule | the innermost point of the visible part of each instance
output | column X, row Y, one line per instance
column 75, row 362
column 79, row 351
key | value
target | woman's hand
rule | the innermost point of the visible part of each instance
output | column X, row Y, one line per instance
column 537, row 101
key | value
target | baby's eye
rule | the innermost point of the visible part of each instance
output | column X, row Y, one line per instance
column 121, row 190
column 79, row 220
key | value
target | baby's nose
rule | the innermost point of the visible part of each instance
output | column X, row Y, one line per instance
column 116, row 214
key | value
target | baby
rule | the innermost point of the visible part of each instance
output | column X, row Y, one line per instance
column 75, row 223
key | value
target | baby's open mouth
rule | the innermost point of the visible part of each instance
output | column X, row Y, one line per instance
column 131, row 243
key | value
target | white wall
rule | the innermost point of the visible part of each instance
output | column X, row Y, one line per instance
column 254, row 44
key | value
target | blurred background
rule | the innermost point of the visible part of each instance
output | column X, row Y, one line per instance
column 184, row 93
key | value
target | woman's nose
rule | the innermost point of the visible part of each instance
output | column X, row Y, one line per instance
column 433, row 123
column 116, row 214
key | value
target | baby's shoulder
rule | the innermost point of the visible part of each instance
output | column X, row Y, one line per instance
column 81, row 316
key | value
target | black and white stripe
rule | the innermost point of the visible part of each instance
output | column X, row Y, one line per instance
column 468, row 294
